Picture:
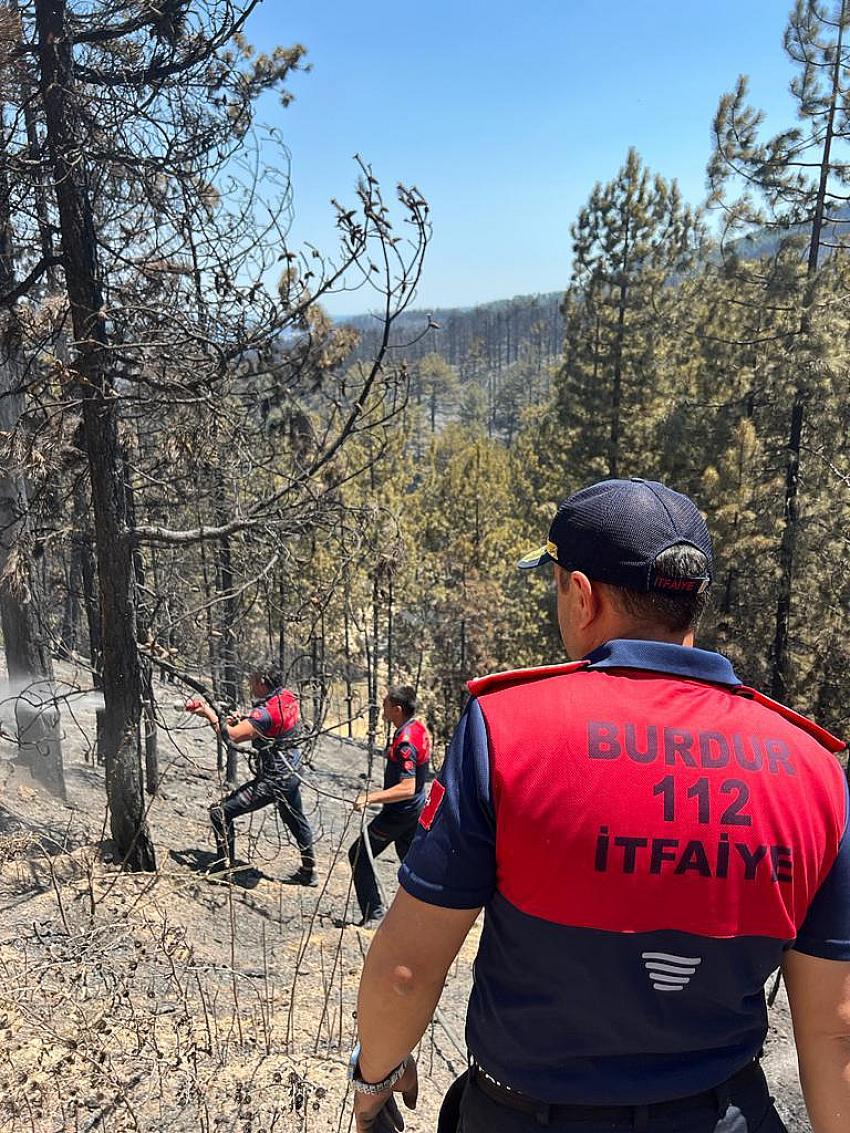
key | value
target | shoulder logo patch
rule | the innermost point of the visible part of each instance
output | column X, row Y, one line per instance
column 435, row 798
column 668, row 972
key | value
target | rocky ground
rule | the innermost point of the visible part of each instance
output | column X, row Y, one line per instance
column 166, row 1002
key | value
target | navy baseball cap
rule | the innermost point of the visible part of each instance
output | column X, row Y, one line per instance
column 615, row 530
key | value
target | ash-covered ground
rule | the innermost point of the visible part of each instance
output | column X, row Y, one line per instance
column 165, row 1002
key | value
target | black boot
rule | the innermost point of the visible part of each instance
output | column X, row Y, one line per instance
column 306, row 875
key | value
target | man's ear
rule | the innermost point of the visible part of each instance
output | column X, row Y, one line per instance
column 586, row 602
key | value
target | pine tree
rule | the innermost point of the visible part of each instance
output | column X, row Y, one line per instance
column 793, row 186
column 632, row 238
column 435, row 382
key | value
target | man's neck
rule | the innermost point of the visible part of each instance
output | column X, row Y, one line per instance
column 632, row 632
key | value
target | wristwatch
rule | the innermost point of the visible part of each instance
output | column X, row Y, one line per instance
column 372, row 1087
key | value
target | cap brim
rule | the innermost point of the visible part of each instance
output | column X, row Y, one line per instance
column 535, row 559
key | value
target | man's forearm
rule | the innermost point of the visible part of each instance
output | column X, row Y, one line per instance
column 395, row 1007
column 403, row 977
column 394, row 794
column 825, row 1078
column 819, row 997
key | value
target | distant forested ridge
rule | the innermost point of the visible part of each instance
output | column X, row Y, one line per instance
column 500, row 332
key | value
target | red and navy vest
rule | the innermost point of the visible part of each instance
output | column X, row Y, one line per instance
column 659, row 840
column 407, row 756
column 277, row 720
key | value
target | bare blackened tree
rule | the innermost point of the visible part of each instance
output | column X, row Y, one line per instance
column 170, row 212
column 28, row 659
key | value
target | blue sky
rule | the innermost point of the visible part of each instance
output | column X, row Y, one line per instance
column 504, row 115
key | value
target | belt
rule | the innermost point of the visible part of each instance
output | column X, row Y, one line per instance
column 546, row 1111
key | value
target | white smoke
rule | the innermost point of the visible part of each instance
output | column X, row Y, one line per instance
column 22, row 702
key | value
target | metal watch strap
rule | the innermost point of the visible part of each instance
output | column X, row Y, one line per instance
column 372, row 1087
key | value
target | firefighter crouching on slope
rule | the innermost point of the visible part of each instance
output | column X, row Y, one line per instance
column 401, row 799
column 272, row 728
column 650, row 840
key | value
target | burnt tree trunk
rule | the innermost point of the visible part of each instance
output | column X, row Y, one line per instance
column 69, row 635
column 83, row 544
column 28, row 660
column 148, row 731
column 349, row 695
column 212, row 651
column 227, row 624
column 390, row 630
column 121, row 672
column 781, row 675
column 281, row 624
column 372, row 666
column 781, row 660
column 225, row 584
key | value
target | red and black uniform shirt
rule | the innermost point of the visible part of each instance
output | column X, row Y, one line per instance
column 407, row 757
column 276, row 717
column 647, row 841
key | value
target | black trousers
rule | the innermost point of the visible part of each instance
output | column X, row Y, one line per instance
column 282, row 790
column 745, row 1108
column 384, row 830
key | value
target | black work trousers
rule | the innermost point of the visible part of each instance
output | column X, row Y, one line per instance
column 285, row 791
column 387, row 829
column 731, row 1108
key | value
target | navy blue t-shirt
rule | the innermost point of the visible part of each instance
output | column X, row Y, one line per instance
column 407, row 757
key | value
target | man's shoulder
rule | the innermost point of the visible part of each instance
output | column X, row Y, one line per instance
column 412, row 732
column 815, row 731
column 260, row 719
column 415, row 727
column 495, row 682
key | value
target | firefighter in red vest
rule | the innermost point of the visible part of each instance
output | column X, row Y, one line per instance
column 401, row 799
column 650, row 840
column 272, row 726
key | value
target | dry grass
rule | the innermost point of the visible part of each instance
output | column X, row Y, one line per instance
column 165, row 1002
